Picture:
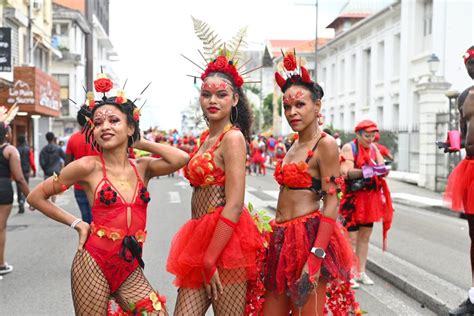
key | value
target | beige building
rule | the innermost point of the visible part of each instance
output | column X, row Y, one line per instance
column 27, row 82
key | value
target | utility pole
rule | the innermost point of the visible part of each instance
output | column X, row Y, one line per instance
column 315, row 39
column 316, row 44
column 30, row 34
column 89, row 45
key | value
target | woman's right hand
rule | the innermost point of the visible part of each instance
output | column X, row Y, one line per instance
column 84, row 230
column 214, row 288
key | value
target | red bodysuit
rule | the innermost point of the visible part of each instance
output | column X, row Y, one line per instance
column 110, row 232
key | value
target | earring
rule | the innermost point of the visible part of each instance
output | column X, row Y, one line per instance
column 236, row 115
column 320, row 119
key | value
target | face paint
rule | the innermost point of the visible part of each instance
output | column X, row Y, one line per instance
column 213, row 88
column 290, row 99
column 102, row 115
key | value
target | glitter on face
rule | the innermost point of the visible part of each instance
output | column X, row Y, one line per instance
column 290, row 99
column 102, row 115
column 213, row 88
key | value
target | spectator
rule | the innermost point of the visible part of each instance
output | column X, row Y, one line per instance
column 50, row 158
column 27, row 165
column 271, row 145
column 78, row 147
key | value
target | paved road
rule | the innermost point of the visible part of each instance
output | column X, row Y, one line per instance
column 42, row 250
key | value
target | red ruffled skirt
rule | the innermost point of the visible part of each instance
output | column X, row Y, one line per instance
column 459, row 192
column 290, row 246
column 192, row 240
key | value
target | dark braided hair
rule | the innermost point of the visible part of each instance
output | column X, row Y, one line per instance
column 317, row 92
column 244, row 117
column 126, row 108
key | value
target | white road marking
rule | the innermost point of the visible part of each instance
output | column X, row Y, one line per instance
column 418, row 199
column 273, row 193
column 182, row 184
column 174, row 197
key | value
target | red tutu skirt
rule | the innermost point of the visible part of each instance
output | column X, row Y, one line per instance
column 290, row 246
column 192, row 240
column 460, row 189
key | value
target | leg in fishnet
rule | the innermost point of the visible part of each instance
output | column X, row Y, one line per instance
column 133, row 290
column 90, row 290
column 232, row 300
column 191, row 302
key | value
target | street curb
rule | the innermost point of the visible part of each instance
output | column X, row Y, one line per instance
column 437, row 294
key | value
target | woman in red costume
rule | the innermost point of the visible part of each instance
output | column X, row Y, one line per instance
column 307, row 248
column 366, row 197
column 213, row 256
column 109, row 261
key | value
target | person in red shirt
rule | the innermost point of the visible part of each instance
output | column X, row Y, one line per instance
column 77, row 147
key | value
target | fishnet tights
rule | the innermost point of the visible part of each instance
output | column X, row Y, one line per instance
column 206, row 198
column 194, row 302
column 91, row 292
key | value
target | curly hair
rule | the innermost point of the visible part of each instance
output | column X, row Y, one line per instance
column 243, row 117
column 126, row 108
column 317, row 92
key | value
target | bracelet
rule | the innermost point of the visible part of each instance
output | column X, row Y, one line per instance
column 76, row 221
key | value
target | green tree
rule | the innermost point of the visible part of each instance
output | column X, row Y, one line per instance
column 268, row 110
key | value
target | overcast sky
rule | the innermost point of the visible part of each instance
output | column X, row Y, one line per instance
column 150, row 35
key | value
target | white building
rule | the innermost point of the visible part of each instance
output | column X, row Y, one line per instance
column 69, row 30
column 71, row 27
column 375, row 66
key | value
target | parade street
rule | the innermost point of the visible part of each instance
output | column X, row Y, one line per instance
column 41, row 251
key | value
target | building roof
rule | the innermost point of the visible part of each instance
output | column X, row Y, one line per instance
column 359, row 9
column 274, row 47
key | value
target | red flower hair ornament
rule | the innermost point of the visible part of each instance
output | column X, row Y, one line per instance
column 293, row 69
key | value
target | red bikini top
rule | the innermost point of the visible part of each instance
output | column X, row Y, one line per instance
column 201, row 169
column 110, row 207
column 294, row 175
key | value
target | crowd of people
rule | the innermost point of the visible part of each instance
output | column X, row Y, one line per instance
column 309, row 263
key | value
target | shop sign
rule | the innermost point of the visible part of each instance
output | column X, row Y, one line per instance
column 49, row 98
column 5, row 49
column 21, row 93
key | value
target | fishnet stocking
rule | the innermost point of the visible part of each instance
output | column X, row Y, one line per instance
column 134, row 289
column 90, row 290
column 205, row 198
column 194, row 302
column 191, row 302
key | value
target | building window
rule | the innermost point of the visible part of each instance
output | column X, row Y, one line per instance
column 341, row 76
column 353, row 72
column 396, row 56
column 396, row 114
column 427, row 17
column 380, row 61
column 380, row 116
column 366, row 80
column 63, row 80
column 333, row 79
column 341, row 117
column 324, row 78
column 40, row 58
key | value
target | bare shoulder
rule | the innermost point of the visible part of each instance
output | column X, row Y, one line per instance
column 328, row 147
column 10, row 149
column 86, row 165
column 347, row 148
column 233, row 138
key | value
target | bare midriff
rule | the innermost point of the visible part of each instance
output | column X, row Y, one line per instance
column 295, row 203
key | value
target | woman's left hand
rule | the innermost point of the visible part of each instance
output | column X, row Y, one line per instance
column 314, row 277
